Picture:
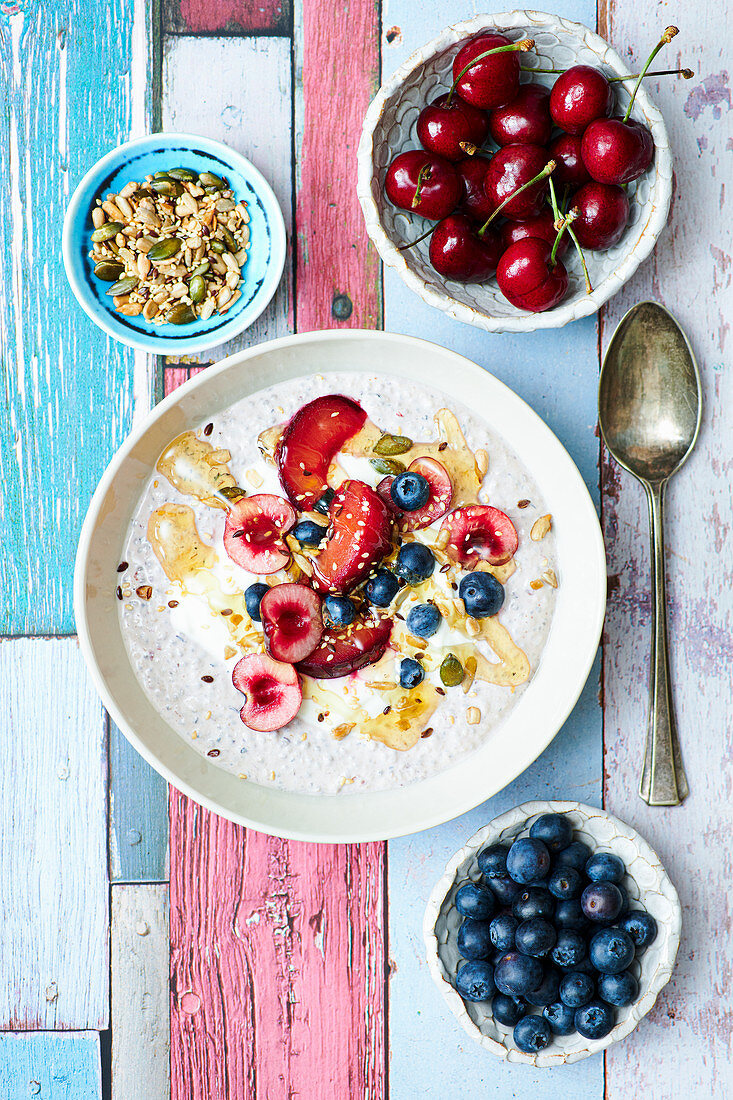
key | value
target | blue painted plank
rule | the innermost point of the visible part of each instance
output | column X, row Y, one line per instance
column 138, row 815
column 50, row 1065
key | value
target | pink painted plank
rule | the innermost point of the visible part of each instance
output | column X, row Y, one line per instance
column 225, row 16
column 338, row 276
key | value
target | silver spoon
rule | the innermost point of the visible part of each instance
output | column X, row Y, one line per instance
column 649, row 413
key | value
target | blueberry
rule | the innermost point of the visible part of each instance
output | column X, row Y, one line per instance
column 528, row 858
column 611, row 950
column 505, row 889
column 411, row 673
column 338, row 611
column 641, row 926
column 565, row 883
column 576, row 989
column 492, row 860
column 482, row 594
column 423, row 620
column 502, row 930
column 410, row 491
column 532, row 1034
column 604, row 867
column 473, row 939
column 594, row 1020
column 517, row 975
column 568, row 914
column 415, row 562
column 575, row 855
column 569, row 949
column 534, row 901
column 535, row 936
column 382, row 588
column 507, row 1010
column 624, row 899
column 475, row 981
column 601, row 902
column 618, row 989
column 555, row 830
column 475, row 900
column 252, row 599
column 309, row 533
column 323, row 503
column 547, row 991
column 560, row 1018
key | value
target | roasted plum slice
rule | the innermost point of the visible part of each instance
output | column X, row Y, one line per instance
column 253, row 533
column 310, row 440
column 271, row 689
column 292, row 621
column 478, row 532
column 344, row 650
column 359, row 537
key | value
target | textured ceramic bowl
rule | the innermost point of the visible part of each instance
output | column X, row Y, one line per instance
column 133, row 161
column 389, row 128
column 647, row 884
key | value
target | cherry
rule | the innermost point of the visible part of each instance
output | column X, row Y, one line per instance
column 528, row 277
column 602, row 214
column 580, row 95
column 472, row 171
column 442, row 126
column 570, row 170
column 458, row 252
column 511, row 168
column 423, row 183
column 525, row 120
column 542, row 225
column 617, row 150
column 488, row 81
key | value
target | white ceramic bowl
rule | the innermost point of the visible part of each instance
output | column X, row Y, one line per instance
column 513, row 744
column 389, row 128
column 646, row 881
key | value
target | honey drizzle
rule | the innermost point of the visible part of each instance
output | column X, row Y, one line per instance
column 196, row 469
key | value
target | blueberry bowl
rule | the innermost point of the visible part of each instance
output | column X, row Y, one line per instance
column 147, row 155
column 647, row 885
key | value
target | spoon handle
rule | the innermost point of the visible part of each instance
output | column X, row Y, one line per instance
column 663, row 780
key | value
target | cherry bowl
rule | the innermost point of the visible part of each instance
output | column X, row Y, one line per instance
column 646, row 882
column 390, row 128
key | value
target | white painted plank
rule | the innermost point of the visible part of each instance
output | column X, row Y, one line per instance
column 53, row 858
column 50, row 1066
column 140, row 993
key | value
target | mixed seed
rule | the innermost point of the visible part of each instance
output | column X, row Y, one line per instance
column 172, row 247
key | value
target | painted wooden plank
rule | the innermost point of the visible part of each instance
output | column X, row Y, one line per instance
column 683, row 1047
column 138, row 815
column 244, row 102
column 50, row 1066
column 59, row 369
column 336, row 74
column 53, row 857
column 226, row 16
column 140, row 993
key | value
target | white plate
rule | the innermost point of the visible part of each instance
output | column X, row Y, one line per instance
column 517, row 740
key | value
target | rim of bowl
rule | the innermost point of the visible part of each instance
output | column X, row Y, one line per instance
column 561, row 315
column 519, row 815
column 150, row 342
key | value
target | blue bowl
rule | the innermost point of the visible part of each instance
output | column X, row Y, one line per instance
column 133, row 161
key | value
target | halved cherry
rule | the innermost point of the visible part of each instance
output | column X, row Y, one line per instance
column 478, row 532
column 271, row 689
column 292, row 621
column 253, row 533
column 383, row 488
column 359, row 536
column 309, row 442
column 344, row 650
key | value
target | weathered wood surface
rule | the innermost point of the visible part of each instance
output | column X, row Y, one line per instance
column 140, row 993
column 54, row 968
column 203, row 17
column 50, row 1066
column 138, row 815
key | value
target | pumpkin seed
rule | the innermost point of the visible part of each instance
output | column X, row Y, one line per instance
column 180, row 314
column 105, row 232
column 182, row 174
column 107, row 271
column 197, row 288
column 208, row 179
column 163, row 175
column 167, row 187
column 387, row 465
column 229, row 238
column 232, row 492
column 451, row 671
column 217, row 246
column 392, row 445
column 123, row 286
column 164, row 250
column 201, row 269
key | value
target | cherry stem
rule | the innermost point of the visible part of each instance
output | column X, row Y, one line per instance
column 424, row 174
column 402, row 247
column 666, row 38
column 687, row 74
column 579, row 250
column 560, row 223
column 523, row 46
column 549, row 167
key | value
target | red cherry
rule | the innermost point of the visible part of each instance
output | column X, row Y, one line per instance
column 457, row 252
column 292, row 621
column 542, row 225
column 570, row 170
column 528, row 280
column 442, row 126
column 617, row 151
column 524, row 121
column 423, row 183
column 472, row 171
column 510, row 168
column 479, row 532
column 578, row 96
column 254, row 532
column 493, row 80
column 271, row 689
column 603, row 214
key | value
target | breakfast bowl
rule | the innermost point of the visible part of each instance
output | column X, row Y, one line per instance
column 261, row 259
column 648, row 888
column 390, row 128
